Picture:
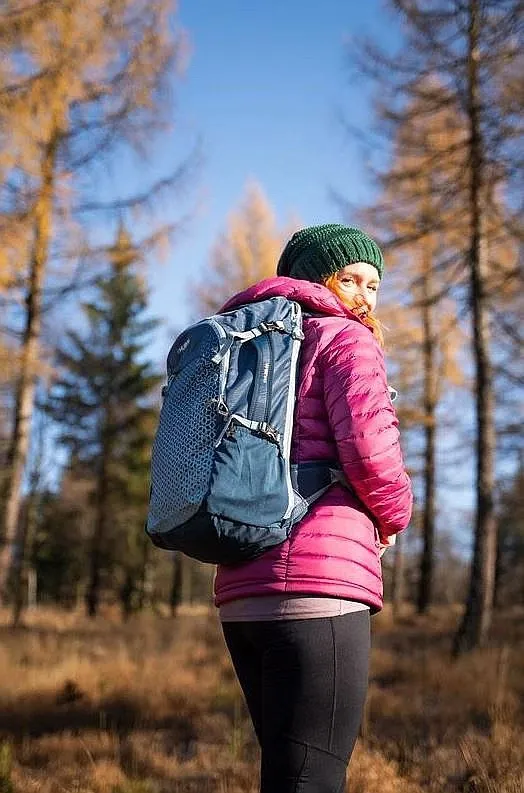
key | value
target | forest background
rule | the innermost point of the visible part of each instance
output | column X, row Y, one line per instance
column 153, row 160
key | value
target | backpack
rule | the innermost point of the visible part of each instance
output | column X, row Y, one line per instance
column 223, row 489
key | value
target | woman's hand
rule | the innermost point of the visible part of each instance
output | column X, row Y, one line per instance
column 386, row 543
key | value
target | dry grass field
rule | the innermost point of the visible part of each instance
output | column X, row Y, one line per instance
column 152, row 706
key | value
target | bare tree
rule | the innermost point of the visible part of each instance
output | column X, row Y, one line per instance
column 407, row 212
column 459, row 55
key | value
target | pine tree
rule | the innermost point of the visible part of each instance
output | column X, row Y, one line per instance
column 103, row 404
column 62, row 533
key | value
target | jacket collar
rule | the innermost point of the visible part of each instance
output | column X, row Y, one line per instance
column 312, row 297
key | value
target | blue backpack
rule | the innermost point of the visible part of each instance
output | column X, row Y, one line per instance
column 223, row 489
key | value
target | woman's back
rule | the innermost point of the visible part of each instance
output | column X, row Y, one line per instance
column 340, row 416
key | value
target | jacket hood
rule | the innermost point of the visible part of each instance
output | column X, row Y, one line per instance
column 311, row 296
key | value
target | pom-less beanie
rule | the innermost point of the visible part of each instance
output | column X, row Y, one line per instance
column 316, row 252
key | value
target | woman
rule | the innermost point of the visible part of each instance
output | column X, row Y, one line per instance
column 296, row 620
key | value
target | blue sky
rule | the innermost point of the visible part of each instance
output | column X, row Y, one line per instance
column 262, row 95
column 263, row 91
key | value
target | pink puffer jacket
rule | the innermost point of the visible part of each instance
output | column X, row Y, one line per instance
column 343, row 411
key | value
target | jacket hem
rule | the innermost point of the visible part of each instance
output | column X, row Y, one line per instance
column 353, row 592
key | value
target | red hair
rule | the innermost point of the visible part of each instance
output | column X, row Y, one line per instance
column 375, row 325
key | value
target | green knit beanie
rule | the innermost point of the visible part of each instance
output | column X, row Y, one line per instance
column 314, row 253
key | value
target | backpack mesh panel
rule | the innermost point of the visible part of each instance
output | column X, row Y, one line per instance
column 183, row 451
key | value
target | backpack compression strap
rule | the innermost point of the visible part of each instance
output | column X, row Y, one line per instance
column 313, row 479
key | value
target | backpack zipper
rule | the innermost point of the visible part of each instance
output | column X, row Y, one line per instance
column 269, row 382
column 290, row 407
column 263, row 378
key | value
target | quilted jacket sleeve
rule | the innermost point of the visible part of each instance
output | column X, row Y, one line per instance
column 365, row 427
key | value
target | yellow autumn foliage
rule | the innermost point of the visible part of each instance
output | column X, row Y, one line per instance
column 245, row 253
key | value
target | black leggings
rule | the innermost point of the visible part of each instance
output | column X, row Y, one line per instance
column 305, row 684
